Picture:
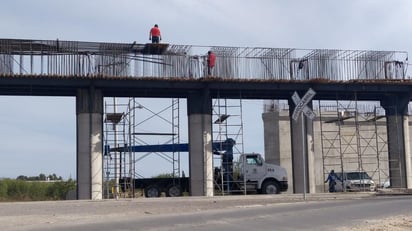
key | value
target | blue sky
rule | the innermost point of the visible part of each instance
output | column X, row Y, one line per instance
column 38, row 133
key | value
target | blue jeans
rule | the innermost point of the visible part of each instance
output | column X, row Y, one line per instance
column 155, row 39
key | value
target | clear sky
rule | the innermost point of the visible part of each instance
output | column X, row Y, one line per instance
column 38, row 133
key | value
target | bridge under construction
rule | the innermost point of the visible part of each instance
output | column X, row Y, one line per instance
column 91, row 71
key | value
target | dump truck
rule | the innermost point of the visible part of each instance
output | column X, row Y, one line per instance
column 253, row 173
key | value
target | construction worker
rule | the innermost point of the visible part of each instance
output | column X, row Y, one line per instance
column 211, row 61
column 155, row 35
column 332, row 178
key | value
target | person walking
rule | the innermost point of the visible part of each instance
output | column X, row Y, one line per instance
column 332, row 177
column 155, row 34
column 211, row 61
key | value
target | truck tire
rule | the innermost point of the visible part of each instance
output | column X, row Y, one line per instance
column 174, row 191
column 270, row 187
column 152, row 191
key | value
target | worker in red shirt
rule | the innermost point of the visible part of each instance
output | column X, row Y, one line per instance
column 155, row 35
column 211, row 61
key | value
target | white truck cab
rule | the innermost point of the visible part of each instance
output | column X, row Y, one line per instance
column 267, row 178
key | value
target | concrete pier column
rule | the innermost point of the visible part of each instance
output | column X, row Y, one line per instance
column 302, row 143
column 89, row 110
column 200, row 143
column 271, row 137
column 408, row 155
column 396, row 107
column 277, row 141
column 311, row 159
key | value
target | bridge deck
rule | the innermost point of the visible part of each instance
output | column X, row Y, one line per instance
column 56, row 58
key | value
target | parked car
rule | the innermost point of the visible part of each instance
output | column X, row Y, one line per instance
column 386, row 183
column 356, row 181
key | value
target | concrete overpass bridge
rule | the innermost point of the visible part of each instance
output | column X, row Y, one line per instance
column 91, row 71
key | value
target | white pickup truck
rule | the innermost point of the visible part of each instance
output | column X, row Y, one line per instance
column 355, row 181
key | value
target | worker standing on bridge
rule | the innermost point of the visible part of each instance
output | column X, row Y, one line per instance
column 155, row 35
column 211, row 61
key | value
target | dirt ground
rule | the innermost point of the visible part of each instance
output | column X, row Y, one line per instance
column 31, row 215
column 398, row 223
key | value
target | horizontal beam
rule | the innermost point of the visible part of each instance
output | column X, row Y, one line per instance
column 180, row 88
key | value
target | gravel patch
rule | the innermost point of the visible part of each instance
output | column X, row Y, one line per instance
column 396, row 223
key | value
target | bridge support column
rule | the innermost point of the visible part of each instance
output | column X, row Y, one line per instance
column 277, row 141
column 408, row 155
column 400, row 168
column 200, row 143
column 89, row 110
column 271, row 137
column 302, row 141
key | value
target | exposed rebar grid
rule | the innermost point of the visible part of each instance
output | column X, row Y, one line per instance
column 55, row 58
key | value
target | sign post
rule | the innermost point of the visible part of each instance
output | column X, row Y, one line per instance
column 300, row 110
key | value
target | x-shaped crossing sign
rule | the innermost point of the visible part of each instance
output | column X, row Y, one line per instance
column 301, row 104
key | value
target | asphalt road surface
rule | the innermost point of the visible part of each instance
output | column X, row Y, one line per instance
column 260, row 212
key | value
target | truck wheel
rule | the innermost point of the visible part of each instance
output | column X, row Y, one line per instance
column 174, row 191
column 152, row 191
column 270, row 187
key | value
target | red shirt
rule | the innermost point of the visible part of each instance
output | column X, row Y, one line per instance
column 155, row 31
column 211, row 60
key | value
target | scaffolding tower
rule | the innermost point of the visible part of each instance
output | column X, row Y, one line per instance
column 123, row 122
column 227, row 124
column 354, row 138
column 114, row 134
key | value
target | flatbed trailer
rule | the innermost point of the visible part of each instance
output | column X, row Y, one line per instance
column 259, row 176
column 153, row 187
column 173, row 187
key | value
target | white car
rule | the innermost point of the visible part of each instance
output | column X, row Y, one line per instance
column 354, row 182
column 386, row 184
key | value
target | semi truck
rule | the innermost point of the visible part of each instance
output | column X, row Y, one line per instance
column 260, row 176
column 250, row 173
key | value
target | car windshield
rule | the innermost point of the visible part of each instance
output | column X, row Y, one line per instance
column 357, row 176
column 353, row 176
column 253, row 160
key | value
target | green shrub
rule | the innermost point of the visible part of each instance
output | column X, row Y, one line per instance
column 3, row 189
column 21, row 190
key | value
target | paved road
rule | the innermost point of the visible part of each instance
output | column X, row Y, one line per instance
column 277, row 212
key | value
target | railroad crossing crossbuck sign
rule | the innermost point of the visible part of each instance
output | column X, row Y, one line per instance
column 301, row 104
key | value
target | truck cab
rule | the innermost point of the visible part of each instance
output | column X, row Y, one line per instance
column 267, row 178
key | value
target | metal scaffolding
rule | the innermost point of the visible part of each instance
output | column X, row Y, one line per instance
column 227, row 124
column 354, row 139
column 114, row 136
column 124, row 121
